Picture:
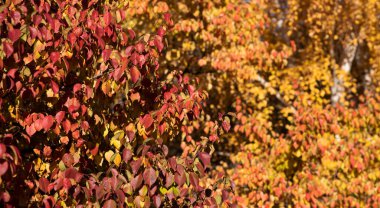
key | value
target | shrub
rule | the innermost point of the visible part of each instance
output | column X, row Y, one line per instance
column 86, row 119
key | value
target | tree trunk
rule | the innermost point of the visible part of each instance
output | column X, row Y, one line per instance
column 337, row 90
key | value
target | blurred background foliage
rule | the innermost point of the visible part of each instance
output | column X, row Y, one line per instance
column 298, row 83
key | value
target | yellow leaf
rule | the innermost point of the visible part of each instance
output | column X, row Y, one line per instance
column 117, row 159
column 298, row 153
column 108, row 155
column 105, row 133
column 38, row 46
column 119, row 134
column 116, row 143
column 49, row 93
column 117, row 139
column 67, row 54
column 10, row 110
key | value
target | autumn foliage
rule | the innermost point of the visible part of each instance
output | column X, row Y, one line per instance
column 192, row 103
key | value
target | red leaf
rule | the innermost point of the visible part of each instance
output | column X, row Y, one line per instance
column 226, row 126
column 89, row 54
column 134, row 58
column 3, row 168
column 47, row 122
column 95, row 150
column 161, row 32
column 118, row 73
column 72, row 38
column 16, row 16
column 37, row 19
column 157, row 201
column 135, row 74
column 205, row 158
column 162, row 128
column 180, row 169
column 77, row 87
column 140, row 47
column 60, row 116
column 33, row 32
column 79, row 143
column 169, row 180
column 68, row 159
column 73, row 174
column 78, row 31
column 72, row 104
column 293, row 45
column 5, row 196
column 147, row 121
column 173, row 163
column 167, row 18
column 64, row 140
column 141, row 59
column 106, row 54
column 54, row 86
column 135, row 165
column 38, row 124
column 225, row 195
column 136, row 182
column 83, row 109
column 75, row 134
column 66, row 183
column 66, row 125
column 12, row 73
column 44, row 184
column 84, row 125
column 107, row 18
column 132, row 34
column 14, row 35
column 127, row 155
column 213, row 138
column 120, row 195
column 194, row 180
column 158, row 43
column 56, row 25
column 89, row 92
column 49, row 202
column 200, row 168
column 179, row 179
column 55, row 56
column 30, row 130
column 3, row 149
column 47, row 151
column 150, row 176
column 128, row 50
column 110, row 204
column 8, row 49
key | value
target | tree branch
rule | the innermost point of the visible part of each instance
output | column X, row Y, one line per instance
column 278, row 96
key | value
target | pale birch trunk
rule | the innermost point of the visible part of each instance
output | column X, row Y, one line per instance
column 337, row 90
